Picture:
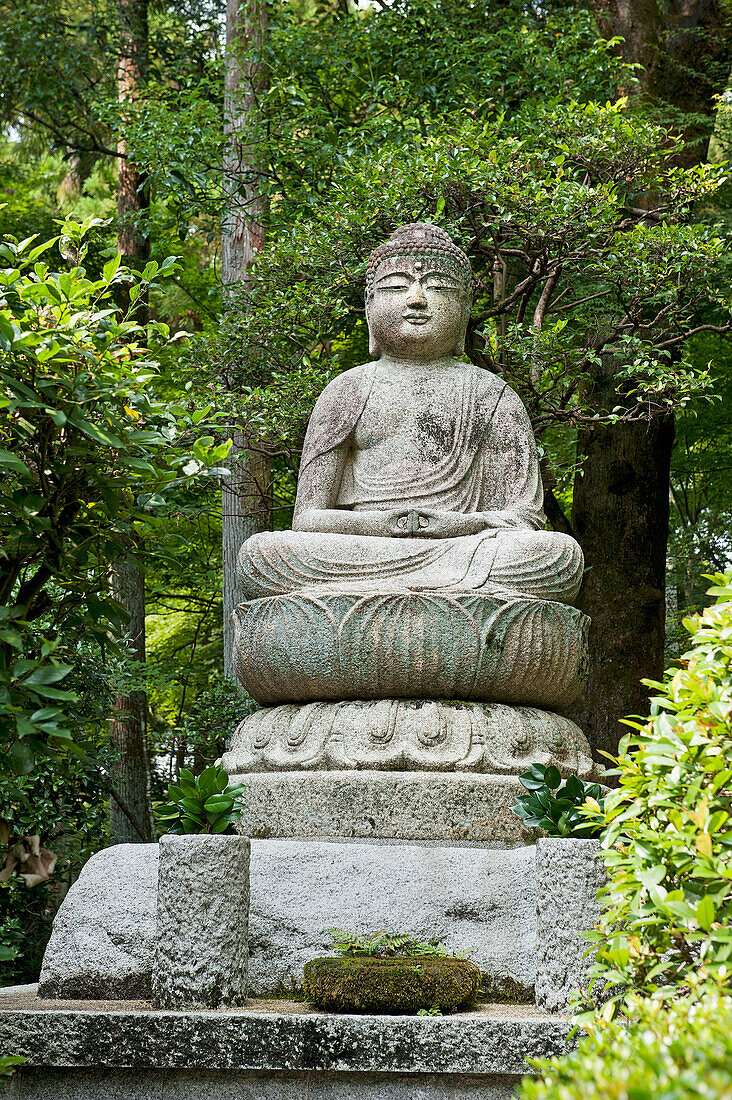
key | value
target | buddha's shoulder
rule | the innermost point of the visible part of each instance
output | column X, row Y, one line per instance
column 352, row 381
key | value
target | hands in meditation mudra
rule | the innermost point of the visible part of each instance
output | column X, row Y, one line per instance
column 418, row 567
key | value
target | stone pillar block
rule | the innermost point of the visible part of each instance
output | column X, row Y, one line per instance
column 202, row 949
column 569, row 872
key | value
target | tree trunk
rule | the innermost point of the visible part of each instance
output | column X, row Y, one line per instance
column 246, row 496
column 620, row 516
column 133, row 199
column 131, row 816
column 683, row 48
column 621, row 502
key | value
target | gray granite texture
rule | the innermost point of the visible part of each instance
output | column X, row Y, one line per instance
column 473, row 899
column 417, row 566
column 323, row 644
column 497, row 1039
column 202, row 944
column 101, row 944
column 407, row 735
column 569, row 873
column 43, row 1084
column 456, row 807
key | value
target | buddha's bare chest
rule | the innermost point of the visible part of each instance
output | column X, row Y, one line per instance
column 417, row 421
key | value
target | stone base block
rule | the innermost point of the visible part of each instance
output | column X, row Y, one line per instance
column 407, row 735
column 422, row 806
column 202, row 947
column 329, row 644
column 569, row 874
column 181, row 1084
column 471, row 899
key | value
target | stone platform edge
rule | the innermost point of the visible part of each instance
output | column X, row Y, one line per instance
column 493, row 1039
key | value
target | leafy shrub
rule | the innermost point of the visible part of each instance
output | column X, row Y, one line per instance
column 561, row 813
column 89, row 458
column 669, row 825
column 62, row 803
column 680, row 1050
column 385, row 945
column 206, row 804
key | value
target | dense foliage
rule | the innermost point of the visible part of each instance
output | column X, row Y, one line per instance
column 669, row 824
column 569, row 272
column 556, row 807
column 664, row 942
column 92, row 459
column 678, row 1051
column 89, row 453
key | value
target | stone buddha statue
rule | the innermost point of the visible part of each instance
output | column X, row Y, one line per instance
column 418, row 618
column 419, row 470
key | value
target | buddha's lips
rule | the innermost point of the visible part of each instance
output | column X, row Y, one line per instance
column 417, row 318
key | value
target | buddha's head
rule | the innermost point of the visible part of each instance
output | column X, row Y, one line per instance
column 418, row 295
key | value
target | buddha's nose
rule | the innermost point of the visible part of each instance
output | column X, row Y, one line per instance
column 416, row 296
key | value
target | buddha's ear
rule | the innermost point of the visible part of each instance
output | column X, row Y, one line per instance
column 374, row 349
column 459, row 348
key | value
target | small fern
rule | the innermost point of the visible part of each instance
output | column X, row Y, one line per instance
column 384, row 945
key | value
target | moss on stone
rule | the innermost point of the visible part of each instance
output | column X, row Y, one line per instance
column 390, row 985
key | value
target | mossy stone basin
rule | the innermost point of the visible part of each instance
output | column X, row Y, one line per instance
column 396, row 985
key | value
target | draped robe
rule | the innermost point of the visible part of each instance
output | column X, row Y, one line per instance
column 487, row 465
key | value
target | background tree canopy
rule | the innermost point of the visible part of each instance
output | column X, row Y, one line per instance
column 598, row 231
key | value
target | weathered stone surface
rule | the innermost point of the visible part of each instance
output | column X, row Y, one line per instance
column 417, row 566
column 475, row 900
column 493, row 1040
column 43, row 1084
column 103, row 934
column 317, row 644
column 569, row 873
column 407, row 735
column 390, row 985
column 456, row 807
column 202, row 942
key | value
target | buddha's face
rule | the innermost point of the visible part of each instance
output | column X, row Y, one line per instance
column 417, row 309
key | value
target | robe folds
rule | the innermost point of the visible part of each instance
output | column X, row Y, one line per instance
column 489, row 466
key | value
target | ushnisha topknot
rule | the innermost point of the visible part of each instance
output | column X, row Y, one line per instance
column 418, row 238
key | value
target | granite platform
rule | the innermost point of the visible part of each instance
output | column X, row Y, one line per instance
column 276, row 1049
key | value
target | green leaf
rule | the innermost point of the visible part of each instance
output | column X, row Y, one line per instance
column 55, row 693
column 187, row 783
column 12, row 462
column 552, row 777
column 194, row 807
column 47, row 674
column 218, row 803
column 99, row 435
column 111, row 267
column 22, row 757
column 705, row 913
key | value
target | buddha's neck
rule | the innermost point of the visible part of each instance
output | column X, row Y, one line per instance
column 414, row 366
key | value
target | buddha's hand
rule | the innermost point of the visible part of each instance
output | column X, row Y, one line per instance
column 434, row 525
